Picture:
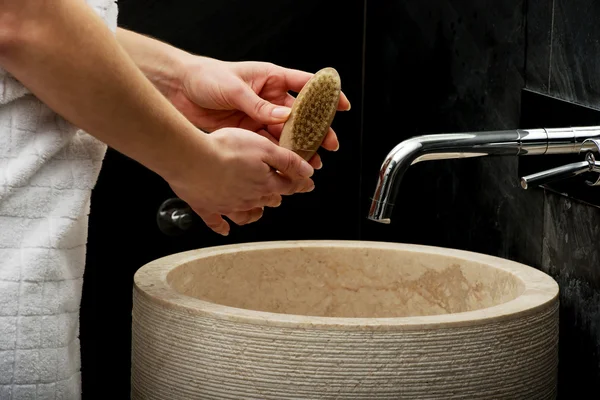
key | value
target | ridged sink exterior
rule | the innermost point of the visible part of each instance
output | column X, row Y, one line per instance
column 366, row 321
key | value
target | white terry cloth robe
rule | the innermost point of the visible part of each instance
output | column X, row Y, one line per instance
column 47, row 170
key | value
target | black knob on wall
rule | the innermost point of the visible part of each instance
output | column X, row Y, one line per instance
column 174, row 217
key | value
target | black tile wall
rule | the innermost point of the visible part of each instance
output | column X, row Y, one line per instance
column 571, row 256
column 539, row 39
column 562, row 49
column 574, row 51
column 307, row 35
column 563, row 57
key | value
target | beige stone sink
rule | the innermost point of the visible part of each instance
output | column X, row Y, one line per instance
column 342, row 320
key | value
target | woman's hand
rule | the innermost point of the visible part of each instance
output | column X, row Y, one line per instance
column 251, row 95
column 239, row 175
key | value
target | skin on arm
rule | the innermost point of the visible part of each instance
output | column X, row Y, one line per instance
column 68, row 58
column 157, row 60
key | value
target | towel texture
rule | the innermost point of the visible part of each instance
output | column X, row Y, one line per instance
column 47, row 170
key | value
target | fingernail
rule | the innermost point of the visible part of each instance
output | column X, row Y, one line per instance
column 224, row 230
column 349, row 106
column 311, row 187
column 280, row 112
column 306, row 170
column 338, row 147
column 320, row 165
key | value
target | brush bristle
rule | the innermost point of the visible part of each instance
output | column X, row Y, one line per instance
column 312, row 113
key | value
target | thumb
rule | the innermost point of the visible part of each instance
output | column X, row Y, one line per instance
column 288, row 163
column 259, row 109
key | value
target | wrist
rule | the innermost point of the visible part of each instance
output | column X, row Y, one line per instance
column 190, row 153
column 161, row 63
column 168, row 74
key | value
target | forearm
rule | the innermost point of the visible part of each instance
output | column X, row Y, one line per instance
column 71, row 61
column 161, row 63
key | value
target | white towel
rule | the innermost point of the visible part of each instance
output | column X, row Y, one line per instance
column 47, row 170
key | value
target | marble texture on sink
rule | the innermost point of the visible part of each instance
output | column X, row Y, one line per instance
column 355, row 283
column 357, row 320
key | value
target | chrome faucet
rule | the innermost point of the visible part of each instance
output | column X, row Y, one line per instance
column 520, row 142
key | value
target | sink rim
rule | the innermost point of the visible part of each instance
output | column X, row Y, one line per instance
column 541, row 290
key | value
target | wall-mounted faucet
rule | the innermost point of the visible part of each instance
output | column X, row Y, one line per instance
column 480, row 144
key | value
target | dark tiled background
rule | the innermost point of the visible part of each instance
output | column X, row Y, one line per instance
column 423, row 66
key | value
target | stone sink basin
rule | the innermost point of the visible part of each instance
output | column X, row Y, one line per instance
column 342, row 320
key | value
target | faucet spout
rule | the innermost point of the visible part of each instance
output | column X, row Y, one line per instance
column 465, row 145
